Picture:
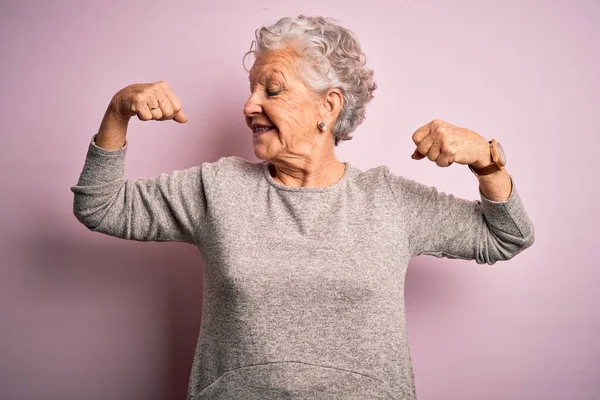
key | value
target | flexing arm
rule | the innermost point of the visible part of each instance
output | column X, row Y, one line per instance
column 444, row 225
column 168, row 207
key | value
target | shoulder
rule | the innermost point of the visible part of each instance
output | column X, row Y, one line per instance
column 231, row 168
column 380, row 177
column 369, row 178
column 373, row 182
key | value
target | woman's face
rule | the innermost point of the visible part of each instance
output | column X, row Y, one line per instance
column 281, row 111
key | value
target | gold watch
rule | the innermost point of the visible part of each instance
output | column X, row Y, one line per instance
column 498, row 160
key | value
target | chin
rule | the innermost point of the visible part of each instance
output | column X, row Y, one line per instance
column 265, row 149
column 260, row 151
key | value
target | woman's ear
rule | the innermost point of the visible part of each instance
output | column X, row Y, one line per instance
column 334, row 100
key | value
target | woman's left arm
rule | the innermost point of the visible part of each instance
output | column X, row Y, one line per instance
column 440, row 224
column 443, row 225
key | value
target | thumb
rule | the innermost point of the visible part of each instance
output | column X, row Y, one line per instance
column 416, row 155
column 180, row 117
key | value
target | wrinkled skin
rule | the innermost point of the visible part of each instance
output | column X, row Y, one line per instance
column 301, row 155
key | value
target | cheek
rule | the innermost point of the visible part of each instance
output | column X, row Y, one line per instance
column 293, row 113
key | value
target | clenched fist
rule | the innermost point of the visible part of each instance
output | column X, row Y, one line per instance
column 445, row 143
column 149, row 101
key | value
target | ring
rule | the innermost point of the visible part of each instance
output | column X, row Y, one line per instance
column 154, row 108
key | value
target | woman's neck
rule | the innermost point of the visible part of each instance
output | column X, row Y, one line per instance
column 308, row 174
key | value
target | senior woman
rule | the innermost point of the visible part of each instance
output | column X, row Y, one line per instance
column 305, row 254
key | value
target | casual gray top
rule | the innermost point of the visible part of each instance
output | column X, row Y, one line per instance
column 303, row 287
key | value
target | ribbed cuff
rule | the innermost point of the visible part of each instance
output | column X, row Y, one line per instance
column 94, row 147
column 102, row 165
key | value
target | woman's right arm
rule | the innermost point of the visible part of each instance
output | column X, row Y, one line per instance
column 167, row 207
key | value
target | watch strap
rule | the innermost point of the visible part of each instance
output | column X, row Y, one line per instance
column 485, row 171
column 494, row 167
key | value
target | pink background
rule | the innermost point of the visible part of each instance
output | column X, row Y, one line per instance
column 87, row 316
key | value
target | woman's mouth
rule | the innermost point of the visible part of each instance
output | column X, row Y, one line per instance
column 258, row 130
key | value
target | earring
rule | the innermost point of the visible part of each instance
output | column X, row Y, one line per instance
column 322, row 126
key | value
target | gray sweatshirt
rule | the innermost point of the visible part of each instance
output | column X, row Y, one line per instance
column 303, row 286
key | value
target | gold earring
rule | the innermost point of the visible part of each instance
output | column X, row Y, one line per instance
column 322, row 126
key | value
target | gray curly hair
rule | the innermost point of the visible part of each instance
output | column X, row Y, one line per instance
column 334, row 59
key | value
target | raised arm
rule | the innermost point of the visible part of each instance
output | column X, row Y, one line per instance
column 167, row 207
column 443, row 225
column 439, row 224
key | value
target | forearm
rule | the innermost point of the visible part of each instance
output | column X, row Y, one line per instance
column 113, row 130
column 496, row 186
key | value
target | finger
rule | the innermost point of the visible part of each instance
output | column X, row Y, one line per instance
column 174, row 101
column 177, row 108
column 416, row 155
column 425, row 144
column 155, row 109
column 180, row 117
column 442, row 161
column 144, row 113
column 434, row 150
column 445, row 159
column 421, row 133
column 165, row 106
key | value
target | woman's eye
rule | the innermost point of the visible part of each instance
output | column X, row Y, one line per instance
column 272, row 93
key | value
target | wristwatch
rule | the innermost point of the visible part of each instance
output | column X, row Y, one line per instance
column 498, row 160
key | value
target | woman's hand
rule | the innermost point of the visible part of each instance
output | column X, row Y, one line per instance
column 140, row 99
column 137, row 99
column 445, row 143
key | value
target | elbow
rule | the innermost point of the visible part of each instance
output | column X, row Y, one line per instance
column 528, row 241
column 518, row 248
column 506, row 249
column 528, row 236
column 86, row 214
column 102, row 209
column 85, row 218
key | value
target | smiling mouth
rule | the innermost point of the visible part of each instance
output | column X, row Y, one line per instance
column 260, row 129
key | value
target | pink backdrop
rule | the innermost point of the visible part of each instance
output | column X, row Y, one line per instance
column 87, row 316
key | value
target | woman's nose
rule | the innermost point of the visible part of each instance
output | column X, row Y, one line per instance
column 252, row 106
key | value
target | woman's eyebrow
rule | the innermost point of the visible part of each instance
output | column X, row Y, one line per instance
column 276, row 76
column 277, row 73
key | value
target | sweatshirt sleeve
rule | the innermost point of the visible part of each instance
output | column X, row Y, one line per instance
column 443, row 225
column 167, row 207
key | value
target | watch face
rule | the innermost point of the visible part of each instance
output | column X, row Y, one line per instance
column 502, row 157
